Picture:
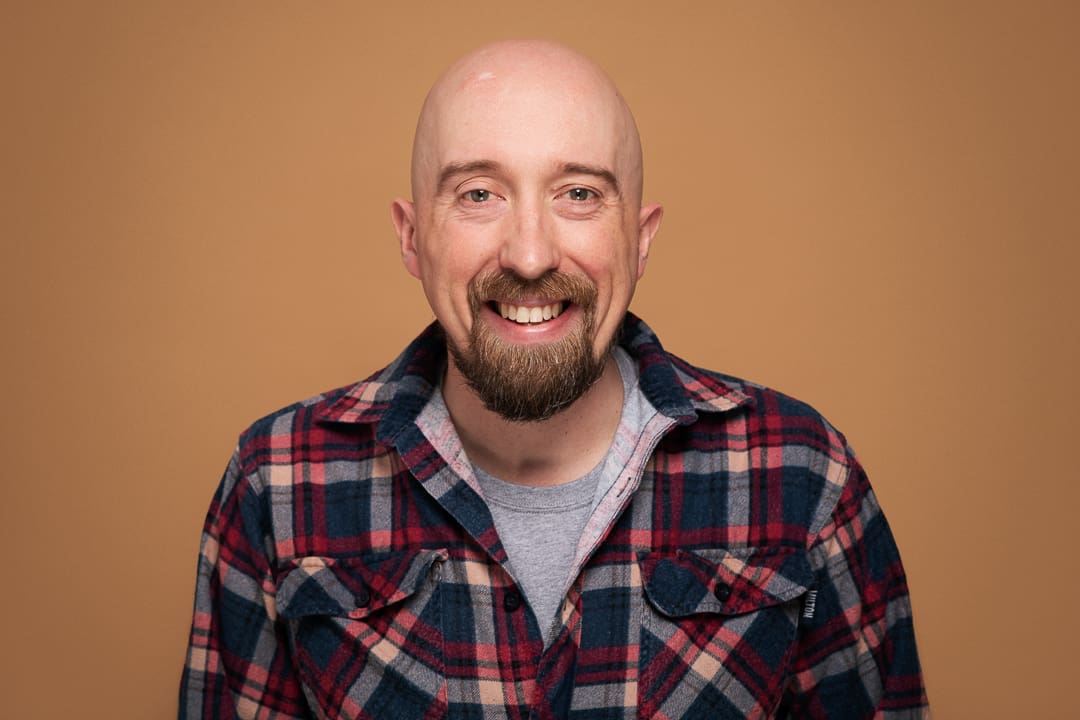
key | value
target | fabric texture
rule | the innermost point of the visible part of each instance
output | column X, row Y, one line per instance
column 736, row 565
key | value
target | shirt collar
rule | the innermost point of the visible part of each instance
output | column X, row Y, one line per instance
column 394, row 396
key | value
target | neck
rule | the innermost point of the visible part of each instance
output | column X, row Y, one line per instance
column 550, row 452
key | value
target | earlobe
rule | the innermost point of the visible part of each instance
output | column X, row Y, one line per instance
column 648, row 224
column 403, row 215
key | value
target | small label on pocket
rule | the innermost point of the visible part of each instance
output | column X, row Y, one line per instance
column 809, row 605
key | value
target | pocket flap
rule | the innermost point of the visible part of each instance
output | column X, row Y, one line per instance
column 728, row 582
column 352, row 587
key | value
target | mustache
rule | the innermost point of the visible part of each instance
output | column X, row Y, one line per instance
column 512, row 288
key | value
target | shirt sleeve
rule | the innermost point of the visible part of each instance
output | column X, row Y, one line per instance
column 856, row 655
column 238, row 664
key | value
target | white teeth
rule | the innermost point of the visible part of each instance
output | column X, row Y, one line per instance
column 530, row 315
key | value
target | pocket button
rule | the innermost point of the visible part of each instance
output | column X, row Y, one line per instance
column 722, row 591
column 362, row 597
column 512, row 601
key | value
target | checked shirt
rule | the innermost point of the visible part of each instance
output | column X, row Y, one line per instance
column 736, row 565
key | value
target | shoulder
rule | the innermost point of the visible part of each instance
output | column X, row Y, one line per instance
column 301, row 431
column 348, row 426
column 769, row 415
column 772, row 441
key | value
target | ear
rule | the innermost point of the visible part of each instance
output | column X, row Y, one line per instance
column 403, row 215
column 648, row 224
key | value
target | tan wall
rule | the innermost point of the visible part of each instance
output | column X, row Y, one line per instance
column 872, row 206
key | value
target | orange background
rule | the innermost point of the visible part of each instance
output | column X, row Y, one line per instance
column 871, row 206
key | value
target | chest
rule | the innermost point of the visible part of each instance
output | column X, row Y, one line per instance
column 402, row 609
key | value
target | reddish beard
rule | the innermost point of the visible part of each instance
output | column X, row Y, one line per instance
column 529, row 383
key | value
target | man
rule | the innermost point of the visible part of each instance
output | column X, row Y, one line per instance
column 535, row 511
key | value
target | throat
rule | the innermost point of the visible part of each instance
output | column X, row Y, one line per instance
column 550, row 452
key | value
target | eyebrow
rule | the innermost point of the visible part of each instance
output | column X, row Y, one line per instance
column 452, row 170
column 599, row 172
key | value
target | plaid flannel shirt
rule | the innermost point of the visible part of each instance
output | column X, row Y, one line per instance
column 740, row 567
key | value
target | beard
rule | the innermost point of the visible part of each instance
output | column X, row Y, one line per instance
column 529, row 383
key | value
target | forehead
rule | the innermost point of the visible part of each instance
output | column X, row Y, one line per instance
column 530, row 122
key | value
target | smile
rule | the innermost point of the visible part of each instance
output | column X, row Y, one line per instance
column 530, row 315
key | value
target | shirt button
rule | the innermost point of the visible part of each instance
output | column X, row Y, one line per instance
column 362, row 597
column 512, row 601
column 722, row 591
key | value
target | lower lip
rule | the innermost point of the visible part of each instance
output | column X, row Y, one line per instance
column 524, row 333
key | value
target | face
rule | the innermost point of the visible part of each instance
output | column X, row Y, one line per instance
column 527, row 232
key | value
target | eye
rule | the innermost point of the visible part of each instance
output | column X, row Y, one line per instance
column 478, row 196
column 580, row 194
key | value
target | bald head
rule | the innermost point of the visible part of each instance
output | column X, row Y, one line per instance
column 527, row 102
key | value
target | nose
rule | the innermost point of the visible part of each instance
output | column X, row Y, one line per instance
column 531, row 248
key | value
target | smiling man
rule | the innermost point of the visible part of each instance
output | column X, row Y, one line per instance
column 535, row 510
column 528, row 235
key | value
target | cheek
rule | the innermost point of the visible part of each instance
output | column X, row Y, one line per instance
column 446, row 261
column 600, row 248
column 460, row 247
column 451, row 260
column 615, row 269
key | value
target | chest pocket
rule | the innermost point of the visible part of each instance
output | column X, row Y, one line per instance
column 366, row 632
column 718, row 630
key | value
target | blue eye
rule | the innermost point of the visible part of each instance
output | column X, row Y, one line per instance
column 580, row 194
column 478, row 196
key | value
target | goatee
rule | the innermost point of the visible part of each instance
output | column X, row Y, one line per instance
column 529, row 383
